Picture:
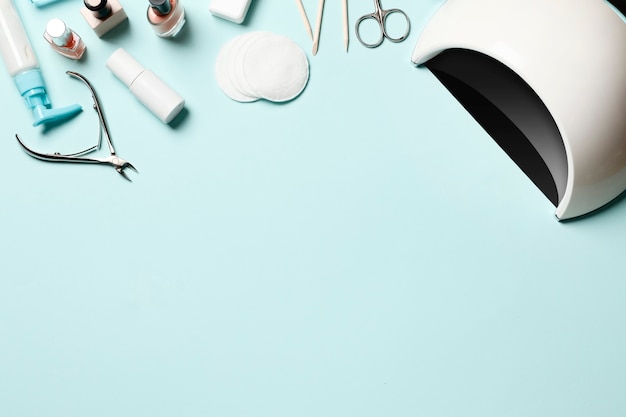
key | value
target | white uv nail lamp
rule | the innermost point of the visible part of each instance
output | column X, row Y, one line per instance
column 547, row 80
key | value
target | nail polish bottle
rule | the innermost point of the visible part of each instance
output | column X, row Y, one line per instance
column 103, row 15
column 167, row 17
column 64, row 40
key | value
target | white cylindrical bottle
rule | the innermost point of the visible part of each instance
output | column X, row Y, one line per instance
column 146, row 86
column 14, row 44
column 22, row 65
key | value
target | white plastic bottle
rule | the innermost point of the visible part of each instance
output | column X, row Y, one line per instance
column 22, row 65
column 146, row 86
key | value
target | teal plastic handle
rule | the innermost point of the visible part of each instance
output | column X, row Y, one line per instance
column 42, row 3
column 33, row 90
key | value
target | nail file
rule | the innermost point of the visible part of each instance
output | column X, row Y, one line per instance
column 233, row 10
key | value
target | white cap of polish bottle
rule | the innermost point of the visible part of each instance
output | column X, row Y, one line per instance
column 146, row 86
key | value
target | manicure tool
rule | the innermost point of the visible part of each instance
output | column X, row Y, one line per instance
column 305, row 18
column 380, row 15
column 115, row 161
column 318, row 27
column 346, row 32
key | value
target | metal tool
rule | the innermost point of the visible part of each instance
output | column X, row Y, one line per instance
column 380, row 15
column 115, row 161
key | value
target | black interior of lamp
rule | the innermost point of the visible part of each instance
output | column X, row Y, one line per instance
column 619, row 5
column 511, row 113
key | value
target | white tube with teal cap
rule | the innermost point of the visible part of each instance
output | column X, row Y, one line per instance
column 22, row 65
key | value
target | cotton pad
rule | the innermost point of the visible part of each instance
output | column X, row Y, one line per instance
column 275, row 68
column 224, row 70
column 221, row 73
column 261, row 65
column 238, row 78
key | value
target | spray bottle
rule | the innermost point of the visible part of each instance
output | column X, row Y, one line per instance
column 22, row 65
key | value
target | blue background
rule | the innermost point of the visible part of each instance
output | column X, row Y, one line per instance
column 364, row 250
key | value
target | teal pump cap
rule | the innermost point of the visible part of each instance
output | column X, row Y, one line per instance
column 32, row 88
column 41, row 3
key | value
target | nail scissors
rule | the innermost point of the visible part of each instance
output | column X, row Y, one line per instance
column 380, row 16
column 115, row 161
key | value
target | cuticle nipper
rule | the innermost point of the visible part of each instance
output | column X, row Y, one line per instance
column 115, row 161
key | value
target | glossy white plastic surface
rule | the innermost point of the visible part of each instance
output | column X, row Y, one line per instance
column 146, row 86
column 233, row 10
column 572, row 53
column 14, row 44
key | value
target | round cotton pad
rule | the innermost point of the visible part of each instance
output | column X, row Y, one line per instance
column 275, row 68
column 261, row 65
column 238, row 78
column 224, row 71
column 238, row 63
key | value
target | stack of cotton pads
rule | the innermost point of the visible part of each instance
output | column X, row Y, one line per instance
column 261, row 65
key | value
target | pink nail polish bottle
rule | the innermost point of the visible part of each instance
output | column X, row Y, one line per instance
column 103, row 15
column 64, row 40
column 167, row 17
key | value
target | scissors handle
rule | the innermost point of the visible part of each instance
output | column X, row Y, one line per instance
column 380, row 16
column 357, row 29
column 385, row 15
